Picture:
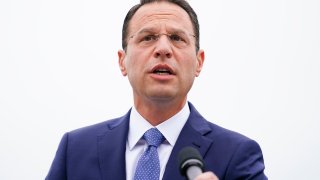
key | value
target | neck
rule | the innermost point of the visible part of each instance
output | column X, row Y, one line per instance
column 156, row 112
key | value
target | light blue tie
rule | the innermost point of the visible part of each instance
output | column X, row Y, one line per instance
column 148, row 167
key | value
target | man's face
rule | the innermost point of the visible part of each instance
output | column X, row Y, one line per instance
column 161, row 61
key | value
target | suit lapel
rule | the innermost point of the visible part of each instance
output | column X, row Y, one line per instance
column 112, row 147
column 192, row 134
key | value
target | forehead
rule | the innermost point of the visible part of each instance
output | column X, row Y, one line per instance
column 160, row 15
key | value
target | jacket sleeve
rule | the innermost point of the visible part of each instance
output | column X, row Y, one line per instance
column 247, row 162
column 58, row 168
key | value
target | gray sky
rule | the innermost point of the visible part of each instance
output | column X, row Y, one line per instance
column 59, row 72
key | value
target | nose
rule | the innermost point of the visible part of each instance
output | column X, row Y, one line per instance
column 163, row 48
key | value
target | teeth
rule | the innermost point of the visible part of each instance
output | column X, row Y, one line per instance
column 162, row 71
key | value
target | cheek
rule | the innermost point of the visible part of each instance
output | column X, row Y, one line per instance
column 134, row 65
column 189, row 66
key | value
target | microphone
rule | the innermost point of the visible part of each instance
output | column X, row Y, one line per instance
column 190, row 162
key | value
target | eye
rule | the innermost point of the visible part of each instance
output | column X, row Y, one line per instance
column 150, row 37
column 175, row 37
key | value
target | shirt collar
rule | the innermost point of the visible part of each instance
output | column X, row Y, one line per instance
column 170, row 128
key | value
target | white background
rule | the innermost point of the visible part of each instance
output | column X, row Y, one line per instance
column 59, row 72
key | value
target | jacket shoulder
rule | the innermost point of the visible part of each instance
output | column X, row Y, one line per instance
column 101, row 127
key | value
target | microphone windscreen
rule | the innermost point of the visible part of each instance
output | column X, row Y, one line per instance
column 187, row 157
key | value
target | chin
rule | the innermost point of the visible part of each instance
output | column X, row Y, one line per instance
column 162, row 95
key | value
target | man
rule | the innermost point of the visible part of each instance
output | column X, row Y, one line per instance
column 161, row 58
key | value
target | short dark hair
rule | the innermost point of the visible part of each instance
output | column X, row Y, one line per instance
column 181, row 3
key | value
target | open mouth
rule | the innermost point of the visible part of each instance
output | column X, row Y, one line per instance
column 162, row 70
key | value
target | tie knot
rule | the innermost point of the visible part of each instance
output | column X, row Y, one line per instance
column 153, row 137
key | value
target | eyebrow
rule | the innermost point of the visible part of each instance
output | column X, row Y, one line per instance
column 147, row 30
column 153, row 30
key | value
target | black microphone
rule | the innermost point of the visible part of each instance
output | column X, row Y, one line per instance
column 190, row 162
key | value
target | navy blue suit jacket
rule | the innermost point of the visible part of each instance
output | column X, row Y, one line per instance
column 97, row 152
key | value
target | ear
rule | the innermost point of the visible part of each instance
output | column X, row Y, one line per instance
column 121, row 61
column 200, row 61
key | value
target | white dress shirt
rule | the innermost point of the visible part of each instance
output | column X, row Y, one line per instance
column 136, row 145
